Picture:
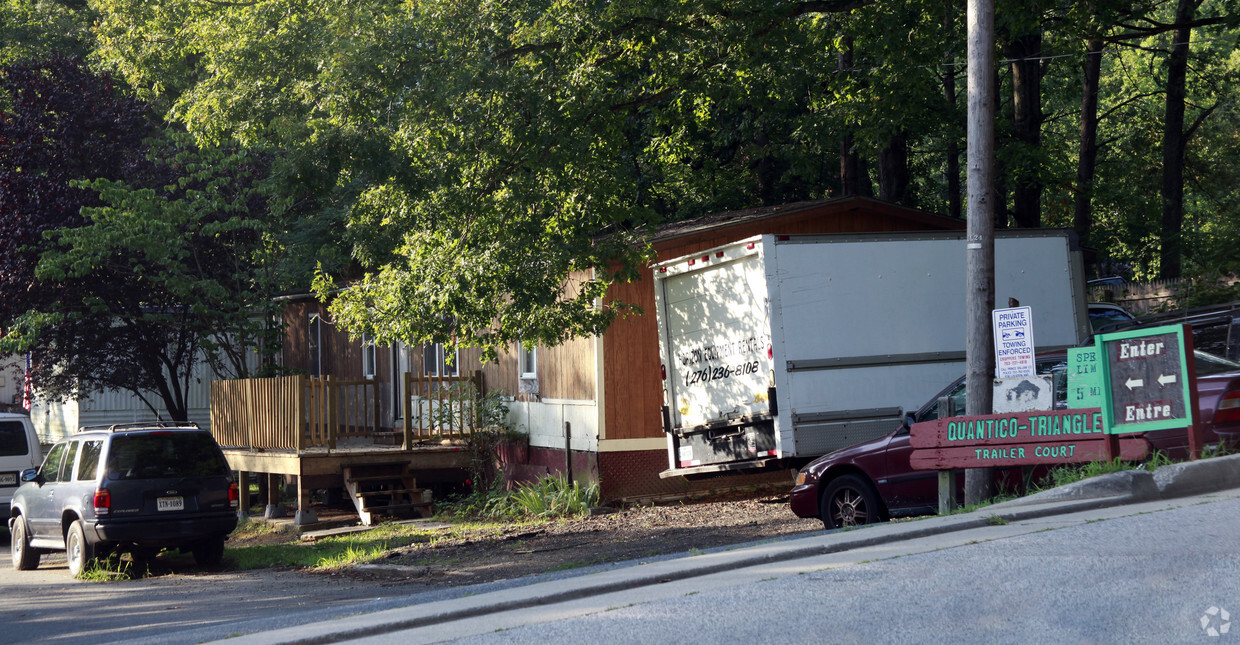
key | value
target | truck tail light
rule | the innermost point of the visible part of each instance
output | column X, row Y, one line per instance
column 1228, row 408
column 663, row 372
column 234, row 495
column 102, row 502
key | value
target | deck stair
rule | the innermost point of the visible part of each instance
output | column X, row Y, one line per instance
column 385, row 489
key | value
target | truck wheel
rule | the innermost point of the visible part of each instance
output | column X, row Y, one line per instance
column 24, row 557
column 79, row 551
column 849, row 501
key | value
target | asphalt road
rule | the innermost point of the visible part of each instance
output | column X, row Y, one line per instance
column 187, row 605
column 1137, row 573
column 1144, row 573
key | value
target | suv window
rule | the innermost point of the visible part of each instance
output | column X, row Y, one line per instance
column 66, row 469
column 13, row 439
column 88, row 463
column 164, row 454
column 51, row 466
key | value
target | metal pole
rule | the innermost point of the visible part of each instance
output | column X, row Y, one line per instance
column 568, row 452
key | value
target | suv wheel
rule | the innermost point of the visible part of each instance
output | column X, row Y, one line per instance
column 209, row 552
column 24, row 557
column 78, row 550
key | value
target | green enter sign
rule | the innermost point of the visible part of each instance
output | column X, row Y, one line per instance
column 1147, row 375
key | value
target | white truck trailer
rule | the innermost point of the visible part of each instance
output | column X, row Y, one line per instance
column 777, row 349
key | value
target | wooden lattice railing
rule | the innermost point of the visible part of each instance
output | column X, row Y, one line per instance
column 441, row 407
column 292, row 412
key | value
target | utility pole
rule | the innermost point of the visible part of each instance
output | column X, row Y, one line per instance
column 980, row 244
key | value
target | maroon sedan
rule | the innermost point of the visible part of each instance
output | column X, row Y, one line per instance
column 872, row 481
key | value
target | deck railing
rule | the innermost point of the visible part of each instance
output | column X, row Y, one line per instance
column 292, row 412
column 441, row 407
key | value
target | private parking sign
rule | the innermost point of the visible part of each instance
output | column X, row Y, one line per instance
column 1013, row 342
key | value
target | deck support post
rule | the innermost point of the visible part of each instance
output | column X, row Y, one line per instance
column 274, row 507
column 243, row 496
column 305, row 514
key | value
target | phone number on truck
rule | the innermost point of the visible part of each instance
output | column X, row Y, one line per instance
column 719, row 373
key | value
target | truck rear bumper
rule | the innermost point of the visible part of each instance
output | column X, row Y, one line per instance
column 717, row 468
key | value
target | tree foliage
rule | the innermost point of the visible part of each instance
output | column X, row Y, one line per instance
column 131, row 261
column 479, row 173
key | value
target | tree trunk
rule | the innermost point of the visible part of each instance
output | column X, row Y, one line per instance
column 1087, row 159
column 953, row 148
column 850, row 171
column 1027, row 128
column 1174, row 137
column 999, row 208
column 893, row 174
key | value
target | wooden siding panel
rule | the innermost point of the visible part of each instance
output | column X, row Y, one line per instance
column 567, row 371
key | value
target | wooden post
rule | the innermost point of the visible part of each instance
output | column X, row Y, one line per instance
column 243, row 496
column 331, row 411
column 407, row 441
column 376, row 416
column 299, row 413
column 980, row 233
column 274, row 507
column 304, row 514
column 947, row 491
column 1195, row 435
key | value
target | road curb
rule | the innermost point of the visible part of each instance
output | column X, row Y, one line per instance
column 1115, row 489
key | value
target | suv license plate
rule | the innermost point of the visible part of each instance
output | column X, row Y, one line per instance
column 170, row 503
column 8, row 479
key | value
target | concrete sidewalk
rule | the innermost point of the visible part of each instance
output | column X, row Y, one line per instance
column 1129, row 487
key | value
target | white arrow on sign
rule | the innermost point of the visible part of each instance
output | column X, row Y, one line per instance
column 1164, row 379
column 1134, row 383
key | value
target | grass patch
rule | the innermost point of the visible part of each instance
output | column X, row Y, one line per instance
column 111, row 569
column 340, row 551
column 996, row 520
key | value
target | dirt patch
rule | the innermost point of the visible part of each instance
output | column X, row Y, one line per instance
column 630, row 533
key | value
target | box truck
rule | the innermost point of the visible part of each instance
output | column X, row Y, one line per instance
column 779, row 348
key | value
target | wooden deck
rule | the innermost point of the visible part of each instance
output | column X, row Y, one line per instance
column 320, row 430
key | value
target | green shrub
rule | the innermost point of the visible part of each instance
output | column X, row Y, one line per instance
column 549, row 497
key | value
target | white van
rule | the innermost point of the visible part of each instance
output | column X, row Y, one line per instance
column 19, row 450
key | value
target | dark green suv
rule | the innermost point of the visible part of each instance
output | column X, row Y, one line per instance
column 136, row 488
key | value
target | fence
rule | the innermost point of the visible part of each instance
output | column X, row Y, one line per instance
column 292, row 412
column 1138, row 298
column 441, row 407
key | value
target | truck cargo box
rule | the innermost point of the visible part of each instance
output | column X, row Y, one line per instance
column 778, row 348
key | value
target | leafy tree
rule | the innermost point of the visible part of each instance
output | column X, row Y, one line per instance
column 479, row 173
column 58, row 123
column 32, row 29
column 133, row 262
